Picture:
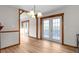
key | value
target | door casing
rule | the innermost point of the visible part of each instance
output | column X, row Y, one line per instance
column 51, row 16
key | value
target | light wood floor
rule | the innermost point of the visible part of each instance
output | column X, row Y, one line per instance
column 30, row 45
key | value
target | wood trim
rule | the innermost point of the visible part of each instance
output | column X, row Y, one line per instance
column 62, row 29
column 70, row 46
column 32, row 37
column 51, row 16
column 9, row 31
column 36, row 26
column 19, row 23
column 60, row 14
column 8, row 46
column 40, row 28
column 23, row 11
column 25, row 21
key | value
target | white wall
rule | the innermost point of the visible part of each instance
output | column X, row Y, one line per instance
column 32, row 27
column 71, row 23
column 8, row 39
column 9, row 19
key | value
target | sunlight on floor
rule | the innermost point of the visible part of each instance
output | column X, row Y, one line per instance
column 23, row 35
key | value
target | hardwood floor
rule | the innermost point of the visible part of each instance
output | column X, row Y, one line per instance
column 30, row 45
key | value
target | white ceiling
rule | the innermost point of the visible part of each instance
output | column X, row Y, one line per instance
column 39, row 8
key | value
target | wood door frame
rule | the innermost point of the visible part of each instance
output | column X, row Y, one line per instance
column 36, row 26
column 19, row 21
column 51, row 16
column 29, row 23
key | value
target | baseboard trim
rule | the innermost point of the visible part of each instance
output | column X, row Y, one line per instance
column 33, row 37
column 9, row 46
column 70, row 46
column 62, row 44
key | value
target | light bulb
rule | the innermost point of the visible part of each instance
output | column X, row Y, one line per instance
column 39, row 14
column 31, row 13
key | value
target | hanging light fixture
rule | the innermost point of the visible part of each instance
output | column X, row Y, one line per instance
column 33, row 13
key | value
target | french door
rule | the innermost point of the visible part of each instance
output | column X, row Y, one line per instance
column 51, row 29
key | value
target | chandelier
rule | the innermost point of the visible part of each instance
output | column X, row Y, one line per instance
column 34, row 12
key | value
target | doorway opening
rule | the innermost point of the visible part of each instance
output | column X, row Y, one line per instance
column 52, row 29
column 23, row 25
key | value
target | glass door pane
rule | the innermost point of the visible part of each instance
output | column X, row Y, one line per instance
column 45, row 28
column 56, row 29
